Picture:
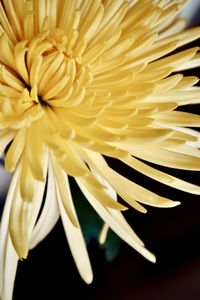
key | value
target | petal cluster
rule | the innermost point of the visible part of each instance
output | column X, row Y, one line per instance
column 81, row 81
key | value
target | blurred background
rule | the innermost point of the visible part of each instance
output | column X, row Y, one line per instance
column 172, row 234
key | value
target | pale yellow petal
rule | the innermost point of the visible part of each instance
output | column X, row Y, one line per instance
column 6, row 250
column 102, row 196
column 62, row 187
column 129, row 191
column 5, row 138
column 75, row 240
column 103, row 234
column 115, row 226
column 117, row 214
column 10, row 270
column 49, row 214
column 161, row 176
column 15, row 150
column 164, row 157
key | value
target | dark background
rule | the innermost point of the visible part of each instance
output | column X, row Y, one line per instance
column 172, row 234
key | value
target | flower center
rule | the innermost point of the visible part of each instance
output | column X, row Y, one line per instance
column 41, row 74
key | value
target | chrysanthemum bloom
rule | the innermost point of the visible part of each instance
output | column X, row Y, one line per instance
column 81, row 81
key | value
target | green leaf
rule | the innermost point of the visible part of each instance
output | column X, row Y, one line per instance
column 112, row 245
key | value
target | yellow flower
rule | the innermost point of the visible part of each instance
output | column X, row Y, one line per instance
column 81, row 81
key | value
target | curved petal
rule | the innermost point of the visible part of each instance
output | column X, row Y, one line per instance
column 75, row 238
column 23, row 216
column 49, row 215
column 118, row 215
column 10, row 269
column 128, row 190
column 110, row 218
column 8, row 256
column 5, row 138
column 103, row 234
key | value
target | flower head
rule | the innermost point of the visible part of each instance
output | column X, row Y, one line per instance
column 81, row 81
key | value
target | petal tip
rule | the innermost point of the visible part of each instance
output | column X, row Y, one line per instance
column 176, row 203
column 151, row 257
column 88, row 278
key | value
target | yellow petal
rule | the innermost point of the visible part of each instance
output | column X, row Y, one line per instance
column 15, row 150
column 102, row 196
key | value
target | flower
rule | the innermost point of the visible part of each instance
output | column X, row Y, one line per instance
column 81, row 81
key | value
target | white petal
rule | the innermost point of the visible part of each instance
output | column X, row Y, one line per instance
column 75, row 239
column 8, row 257
column 23, row 216
column 49, row 215
column 10, row 269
